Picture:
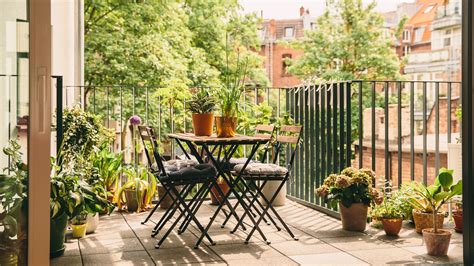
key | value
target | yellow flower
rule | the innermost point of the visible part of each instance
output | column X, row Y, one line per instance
column 330, row 180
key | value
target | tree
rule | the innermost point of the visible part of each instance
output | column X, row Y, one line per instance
column 349, row 42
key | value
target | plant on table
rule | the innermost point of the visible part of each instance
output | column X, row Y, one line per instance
column 435, row 196
column 137, row 193
column 352, row 191
column 202, row 105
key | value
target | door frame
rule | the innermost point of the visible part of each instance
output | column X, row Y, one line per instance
column 39, row 131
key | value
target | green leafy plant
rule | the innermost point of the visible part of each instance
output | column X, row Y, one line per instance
column 201, row 102
column 140, row 180
column 350, row 186
column 109, row 166
column 438, row 194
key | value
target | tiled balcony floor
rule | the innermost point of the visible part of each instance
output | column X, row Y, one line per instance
column 122, row 240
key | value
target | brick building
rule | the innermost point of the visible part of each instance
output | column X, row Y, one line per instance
column 272, row 33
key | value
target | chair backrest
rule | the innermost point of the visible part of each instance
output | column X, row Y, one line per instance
column 288, row 136
column 150, row 143
column 265, row 131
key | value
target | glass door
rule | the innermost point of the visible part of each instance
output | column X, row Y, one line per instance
column 14, row 111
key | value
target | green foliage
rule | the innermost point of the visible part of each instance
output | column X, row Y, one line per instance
column 140, row 180
column 350, row 186
column 202, row 102
column 108, row 165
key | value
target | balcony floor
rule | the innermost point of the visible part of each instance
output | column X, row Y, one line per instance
column 121, row 239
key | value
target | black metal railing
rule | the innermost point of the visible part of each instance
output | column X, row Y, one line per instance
column 396, row 128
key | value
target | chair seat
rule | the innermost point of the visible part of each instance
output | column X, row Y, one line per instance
column 259, row 171
column 178, row 164
column 197, row 173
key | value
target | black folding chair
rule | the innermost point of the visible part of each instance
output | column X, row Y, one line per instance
column 188, row 177
column 272, row 172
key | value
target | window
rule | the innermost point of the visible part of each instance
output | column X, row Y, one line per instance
column 289, row 32
column 419, row 34
column 446, row 42
column 313, row 26
column 285, row 63
column 406, row 35
column 406, row 50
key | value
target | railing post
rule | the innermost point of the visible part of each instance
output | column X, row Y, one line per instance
column 59, row 112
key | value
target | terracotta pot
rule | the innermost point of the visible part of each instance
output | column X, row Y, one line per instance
column 425, row 220
column 354, row 218
column 167, row 201
column 131, row 200
column 392, row 226
column 215, row 200
column 226, row 126
column 203, row 124
column 457, row 216
column 437, row 244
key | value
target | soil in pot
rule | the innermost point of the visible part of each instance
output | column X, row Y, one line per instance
column 203, row 124
column 226, row 126
column 132, row 201
column 392, row 226
column 437, row 244
column 215, row 200
column 457, row 216
column 79, row 230
column 425, row 220
column 354, row 218
column 58, row 235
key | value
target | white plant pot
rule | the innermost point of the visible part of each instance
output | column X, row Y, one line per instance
column 92, row 223
column 455, row 160
column 269, row 190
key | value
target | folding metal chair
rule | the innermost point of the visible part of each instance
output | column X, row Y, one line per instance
column 273, row 172
column 188, row 177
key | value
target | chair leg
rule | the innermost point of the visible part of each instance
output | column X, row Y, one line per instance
column 197, row 202
column 154, row 208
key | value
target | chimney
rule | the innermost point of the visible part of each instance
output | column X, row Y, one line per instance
column 301, row 11
column 272, row 28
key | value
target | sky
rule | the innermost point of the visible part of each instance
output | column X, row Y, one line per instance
column 287, row 9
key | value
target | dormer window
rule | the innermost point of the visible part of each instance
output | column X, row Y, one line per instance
column 406, row 36
column 289, row 32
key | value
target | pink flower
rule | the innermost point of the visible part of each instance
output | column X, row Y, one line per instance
column 322, row 191
column 135, row 120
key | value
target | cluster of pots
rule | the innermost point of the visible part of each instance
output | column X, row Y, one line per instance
column 354, row 218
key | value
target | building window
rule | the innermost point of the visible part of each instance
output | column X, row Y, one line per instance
column 406, row 35
column 285, row 63
column 313, row 25
column 419, row 34
column 289, row 32
column 406, row 50
column 446, row 42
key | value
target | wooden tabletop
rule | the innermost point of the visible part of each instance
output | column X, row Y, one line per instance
column 214, row 140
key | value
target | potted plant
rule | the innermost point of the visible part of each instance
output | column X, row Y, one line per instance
column 437, row 240
column 202, row 105
column 422, row 210
column 137, row 193
column 457, row 216
column 216, row 198
column 109, row 166
column 79, row 225
column 392, row 216
column 352, row 192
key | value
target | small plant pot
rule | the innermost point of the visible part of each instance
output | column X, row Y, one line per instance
column 226, row 126
column 203, row 124
column 79, row 230
column 217, row 199
column 58, row 228
column 131, row 200
column 392, row 226
column 354, row 218
column 437, row 244
column 425, row 220
column 457, row 216
column 92, row 223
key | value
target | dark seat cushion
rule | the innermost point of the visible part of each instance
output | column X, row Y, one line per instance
column 198, row 172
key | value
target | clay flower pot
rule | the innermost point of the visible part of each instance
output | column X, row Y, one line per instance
column 392, row 226
column 226, row 126
column 437, row 244
column 425, row 220
column 215, row 200
column 354, row 218
column 203, row 124
column 131, row 200
column 457, row 216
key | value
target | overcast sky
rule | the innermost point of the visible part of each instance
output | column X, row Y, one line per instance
column 285, row 9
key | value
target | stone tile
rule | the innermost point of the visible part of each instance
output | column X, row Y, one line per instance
column 336, row 258
column 121, row 258
column 245, row 251
column 72, row 247
column 455, row 254
column 172, row 241
column 66, row 261
column 183, row 255
column 386, row 256
column 93, row 245
column 303, row 247
column 357, row 243
column 112, row 232
column 263, row 261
